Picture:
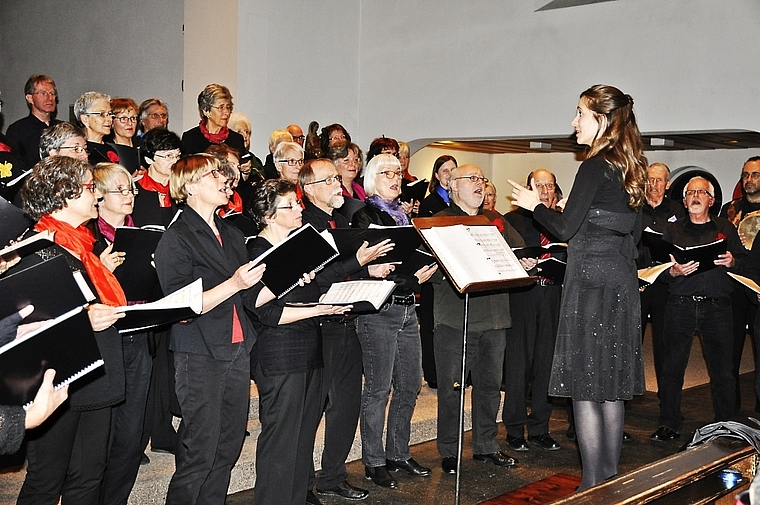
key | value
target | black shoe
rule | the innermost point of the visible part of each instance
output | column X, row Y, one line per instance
column 409, row 466
column 449, row 465
column 664, row 434
column 432, row 384
column 346, row 490
column 497, row 458
column 545, row 442
column 570, row 433
column 161, row 450
column 311, row 498
column 517, row 443
column 380, row 476
column 627, row 437
column 144, row 459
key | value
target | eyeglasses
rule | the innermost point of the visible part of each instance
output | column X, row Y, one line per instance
column 124, row 191
column 291, row 162
column 126, row 119
column 750, row 175
column 298, row 138
column 103, row 114
column 45, row 94
column 328, row 180
column 339, row 136
column 473, row 178
column 76, row 149
column 168, row 156
column 158, row 115
column 391, row 174
column 548, row 186
column 700, row 192
column 291, row 206
column 213, row 172
column 222, row 107
column 90, row 186
column 350, row 161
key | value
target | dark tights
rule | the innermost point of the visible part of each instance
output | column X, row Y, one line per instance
column 599, row 426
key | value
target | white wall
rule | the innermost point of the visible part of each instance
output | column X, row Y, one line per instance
column 131, row 49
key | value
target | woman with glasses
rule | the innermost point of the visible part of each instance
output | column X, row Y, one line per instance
column 63, row 139
column 215, row 107
column 67, row 455
column 597, row 356
column 211, row 351
column 286, row 360
column 93, row 112
column 489, row 196
column 153, row 204
column 122, row 137
column 288, row 159
column 390, row 341
column 349, row 161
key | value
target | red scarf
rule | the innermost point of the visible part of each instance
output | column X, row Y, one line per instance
column 214, row 138
column 148, row 184
column 80, row 241
column 235, row 205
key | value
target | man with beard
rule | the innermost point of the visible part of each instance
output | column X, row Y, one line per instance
column 699, row 301
column 488, row 320
column 42, row 99
column 744, row 310
column 341, row 351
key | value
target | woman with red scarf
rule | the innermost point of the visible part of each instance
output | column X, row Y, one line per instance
column 215, row 106
column 67, row 454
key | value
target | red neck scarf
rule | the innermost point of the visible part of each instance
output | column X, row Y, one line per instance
column 235, row 205
column 80, row 241
column 149, row 184
column 214, row 138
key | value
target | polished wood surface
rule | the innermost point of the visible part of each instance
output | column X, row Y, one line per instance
column 542, row 491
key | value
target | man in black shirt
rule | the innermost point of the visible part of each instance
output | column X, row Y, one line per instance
column 700, row 300
column 658, row 212
column 42, row 98
column 736, row 211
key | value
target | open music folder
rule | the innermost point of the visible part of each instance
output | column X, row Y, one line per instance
column 66, row 343
column 473, row 253
column 182, row 304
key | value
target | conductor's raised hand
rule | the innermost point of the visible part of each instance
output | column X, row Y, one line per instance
column 425, row 273
column 367, row 254
column 524, row 197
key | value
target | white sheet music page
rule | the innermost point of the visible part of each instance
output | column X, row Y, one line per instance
column 374, row 292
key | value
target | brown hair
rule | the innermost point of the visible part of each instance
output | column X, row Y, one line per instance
column 53, row 180
column 189, row 170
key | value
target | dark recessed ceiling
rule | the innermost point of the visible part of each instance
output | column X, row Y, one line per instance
column 670, row 141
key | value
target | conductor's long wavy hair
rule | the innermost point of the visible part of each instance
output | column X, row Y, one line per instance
column 619, row 143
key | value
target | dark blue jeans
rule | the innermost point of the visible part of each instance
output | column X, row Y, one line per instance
column 713, row 319
column 392, row 357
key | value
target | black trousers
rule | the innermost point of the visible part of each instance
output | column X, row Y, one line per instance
column 427, row 324
column 744, row 316
column 66, row 458
column 528, row 358
column 125, row 446
column 340, row 400
column 289, row 411
column 653, row 301
column 162, row 398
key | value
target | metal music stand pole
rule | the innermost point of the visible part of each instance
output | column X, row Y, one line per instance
column 461, row 399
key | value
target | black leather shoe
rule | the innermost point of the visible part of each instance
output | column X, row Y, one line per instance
column 409, row 466
column 311, row 498
column 517, row 443
column 545, row 442
column 570, row 433
column 627, row 437
column 380, row 476
column 497, row 458
column 449, row 465
column 346, row 490
column 664, row 434
column 144, row 459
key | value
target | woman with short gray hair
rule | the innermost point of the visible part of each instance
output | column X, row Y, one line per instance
column 93, row 112
column 215, row 107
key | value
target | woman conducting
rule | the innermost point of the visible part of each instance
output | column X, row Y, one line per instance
column 597, row 357
column 390, row 341
column 211, row 351
column 287, row 360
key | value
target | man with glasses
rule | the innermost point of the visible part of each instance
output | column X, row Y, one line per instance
column 42, row 99
column 297, row 133
column 153, row 113
column 488, row 320
column 736, row 211
column 658, row 213
column 700, row 300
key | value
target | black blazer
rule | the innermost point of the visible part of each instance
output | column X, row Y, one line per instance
column 432, row 205
column 188, row 251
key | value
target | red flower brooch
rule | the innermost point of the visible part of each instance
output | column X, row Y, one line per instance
column 112, row 156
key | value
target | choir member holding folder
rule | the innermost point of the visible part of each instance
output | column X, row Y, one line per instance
column 286, row 360
column 114, row 183
column 210, row 351
column 67, row 454
column 390, row 341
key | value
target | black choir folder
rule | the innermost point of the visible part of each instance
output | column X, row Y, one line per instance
column 137, row 275
column 538, row 251
column 65, row 343
column 13, row 222
column 304, row 251
column 405, row 238
column 184, row 303
column 473, row 253
column 705, row 254
column 29, row 245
